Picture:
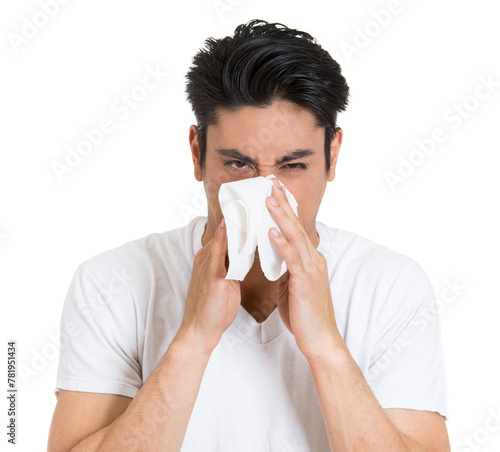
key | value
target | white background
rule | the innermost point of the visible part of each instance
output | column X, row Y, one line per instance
column 406, row 77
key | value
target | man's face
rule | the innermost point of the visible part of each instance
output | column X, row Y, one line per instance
column 264, row 136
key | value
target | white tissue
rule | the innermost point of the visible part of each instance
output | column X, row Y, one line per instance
column 248, row 220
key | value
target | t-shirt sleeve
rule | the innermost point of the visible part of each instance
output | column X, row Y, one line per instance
column 99, row 351
column 407, row 367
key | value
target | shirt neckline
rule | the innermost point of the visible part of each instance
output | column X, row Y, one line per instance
column 244, row 323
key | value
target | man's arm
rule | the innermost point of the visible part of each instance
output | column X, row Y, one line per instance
column 158, row 416
column 355, row 420
column 155, row 420
column 353, row 417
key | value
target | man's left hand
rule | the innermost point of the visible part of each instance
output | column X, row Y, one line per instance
column 305, row 299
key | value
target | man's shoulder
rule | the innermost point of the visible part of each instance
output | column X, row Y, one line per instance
column 358, row 255
column 168, row 249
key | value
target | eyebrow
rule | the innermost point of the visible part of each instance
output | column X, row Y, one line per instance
column 294, row 155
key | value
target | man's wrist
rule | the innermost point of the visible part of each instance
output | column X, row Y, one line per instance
column 189, row 341
column 332, row 352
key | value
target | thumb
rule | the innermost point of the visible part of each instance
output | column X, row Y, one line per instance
column 219, row 251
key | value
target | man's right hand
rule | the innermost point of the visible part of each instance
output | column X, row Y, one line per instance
column 111, row 421
column 212, row 301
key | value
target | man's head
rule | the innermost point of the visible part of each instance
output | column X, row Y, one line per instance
column 258, row 96
column 261, row 63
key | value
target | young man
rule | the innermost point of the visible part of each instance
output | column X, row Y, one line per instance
column 340, row 353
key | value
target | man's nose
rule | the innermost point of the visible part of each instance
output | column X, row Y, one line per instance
column 264, row 172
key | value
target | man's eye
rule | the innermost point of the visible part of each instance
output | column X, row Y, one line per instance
column 296, row 166
column 235, row 162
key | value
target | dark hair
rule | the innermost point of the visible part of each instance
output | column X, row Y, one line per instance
column 263, row 62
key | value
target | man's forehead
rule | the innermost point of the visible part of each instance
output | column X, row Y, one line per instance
column 275, row 135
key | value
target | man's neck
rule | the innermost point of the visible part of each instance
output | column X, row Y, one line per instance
column 259, row 296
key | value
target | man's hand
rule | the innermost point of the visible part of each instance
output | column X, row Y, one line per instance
column 212, row 301
column 305, row 300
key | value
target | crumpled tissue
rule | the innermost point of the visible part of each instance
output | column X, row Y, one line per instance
column 248, row 220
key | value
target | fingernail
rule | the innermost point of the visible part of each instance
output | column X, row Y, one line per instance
column 221, row 226
column 275, row 232
column 273, row 201
column 277, row 182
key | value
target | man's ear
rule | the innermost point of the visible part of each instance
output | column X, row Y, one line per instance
column 334, row 152
column 195, row 151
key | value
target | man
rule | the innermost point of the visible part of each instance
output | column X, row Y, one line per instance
column 338, row 354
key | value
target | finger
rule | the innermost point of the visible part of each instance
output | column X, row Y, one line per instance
column 224, row 233
column 279, row 194
column 290, row 227
column 218, row 251
column 297, row 262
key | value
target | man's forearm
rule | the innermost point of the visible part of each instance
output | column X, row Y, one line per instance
column 353, row 417
column 157, row 418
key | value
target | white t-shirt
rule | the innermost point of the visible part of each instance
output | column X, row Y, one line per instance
column 125, row 306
